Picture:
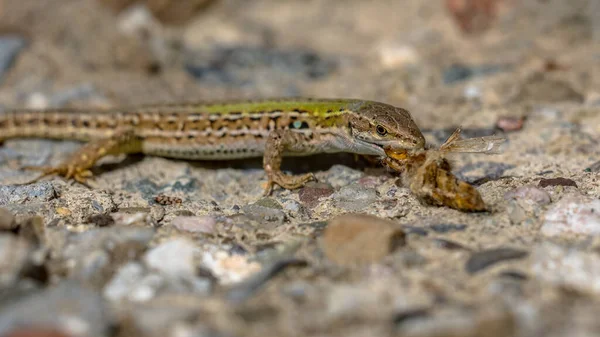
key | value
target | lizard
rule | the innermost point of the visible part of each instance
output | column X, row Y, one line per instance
column 220, row 130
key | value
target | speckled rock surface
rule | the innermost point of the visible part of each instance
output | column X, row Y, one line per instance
column 162, row 247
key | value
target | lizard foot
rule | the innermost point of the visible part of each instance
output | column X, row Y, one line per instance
column 287, row 181
column 68, row 171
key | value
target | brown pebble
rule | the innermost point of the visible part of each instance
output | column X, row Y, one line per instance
column 353, row 239
column 167, row 200
column 7, row 220
column 508, row 124
column 557, row 182
column 101, row 220
column 310, row 194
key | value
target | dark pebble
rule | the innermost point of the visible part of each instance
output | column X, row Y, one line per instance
column 310, row 194
column 514, row 274
column 101, row 220
column 410, row 314
column 489, row 171
column 557, row 182
column 460, row 72
column 450, row 245
column 485, row 258
column 415, row 230
column 448, row 227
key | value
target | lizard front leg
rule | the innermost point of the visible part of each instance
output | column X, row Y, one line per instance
column 278, row 142
column 77, row 166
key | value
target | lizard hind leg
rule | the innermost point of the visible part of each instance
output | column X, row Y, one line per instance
column 77, row 166
column 277, row 143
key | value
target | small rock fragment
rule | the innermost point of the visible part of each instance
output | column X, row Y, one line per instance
column 509, row 124
column 68, row 307
column 311, row 193
column 14, row 257
column 43, row 191
column 395, row 56
column 447, row 227
column 174, row 258
column 195, row 224
column 354, row 197
column 529, row 194
column 557, row 182
column 228, row 268
column 576, row 214
column 101, row 220
column 266, row 209
column 485, row 258
column 10, row 46
column 7, row 220
column 567, row 267
column 353, row 239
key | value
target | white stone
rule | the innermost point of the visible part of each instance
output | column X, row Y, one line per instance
column 575, row 214
column 174, row 258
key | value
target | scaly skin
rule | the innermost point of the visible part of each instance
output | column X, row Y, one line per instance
column 221, row 131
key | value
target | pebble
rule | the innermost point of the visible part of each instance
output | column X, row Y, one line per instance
column 448, row 227
column 354, row 197
column 174, row 258
column 229, row 269
column 130, row 283
column 14, row 257
column 510, row 124
column 529, row 194
column 461, row 72
column 353, row 239
column 567, row 267
column 312, row 193
column 573, row 214
column 195, row 224
column 397, row 56
column 42, row 191
column 7, row 220
column 557, row 182
column 10, row 46
column 67, row 307
column 265, row 209
column 478, row 171
column 481, row 260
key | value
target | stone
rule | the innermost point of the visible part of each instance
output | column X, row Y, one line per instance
column 311, row 194
column 573, row 214
column 481, row 260
column 10, row 46
column 195, row 224
column 14, row 257
column 567, row 267
column 68, row 307
column 354, row 197
column 173, row 258
column 7, row 220
column 354, row 239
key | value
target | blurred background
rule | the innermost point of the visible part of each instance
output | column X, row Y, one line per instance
column 446, row 60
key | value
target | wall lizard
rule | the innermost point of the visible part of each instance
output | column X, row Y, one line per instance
column 220, row 131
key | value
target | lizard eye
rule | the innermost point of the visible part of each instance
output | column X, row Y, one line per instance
column 381, row 130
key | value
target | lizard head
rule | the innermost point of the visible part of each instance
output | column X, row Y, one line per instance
column 377, row 125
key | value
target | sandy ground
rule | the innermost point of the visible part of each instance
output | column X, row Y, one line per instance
column 172, row 248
